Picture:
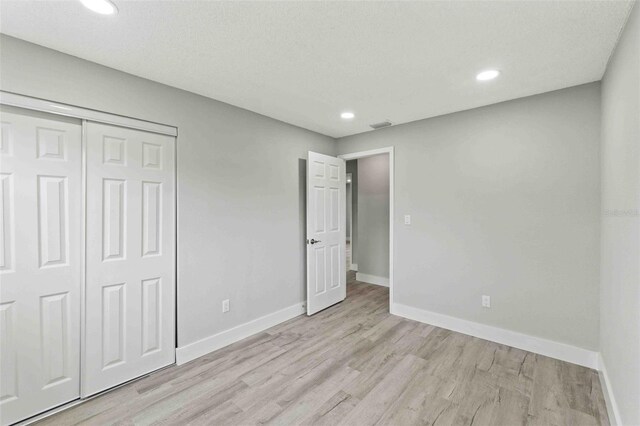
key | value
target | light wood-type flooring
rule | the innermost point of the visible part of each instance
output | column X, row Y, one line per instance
column 355, row 364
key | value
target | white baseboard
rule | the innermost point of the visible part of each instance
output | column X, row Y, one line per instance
column 550, row 348
column 372, row 279
column 610, row 400
column 217, row 341
column 354, row 267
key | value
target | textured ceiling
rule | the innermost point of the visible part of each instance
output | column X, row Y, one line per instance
column 306, row 62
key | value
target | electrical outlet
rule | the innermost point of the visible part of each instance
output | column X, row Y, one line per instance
column 407, row 219
column 225, row 305
column 486, row 301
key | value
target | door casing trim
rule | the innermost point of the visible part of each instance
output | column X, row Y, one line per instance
column 363, row 154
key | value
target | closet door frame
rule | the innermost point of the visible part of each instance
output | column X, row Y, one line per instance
column 86, row 115
column 57, row 108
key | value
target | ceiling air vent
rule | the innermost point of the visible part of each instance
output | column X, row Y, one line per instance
column 380, row 125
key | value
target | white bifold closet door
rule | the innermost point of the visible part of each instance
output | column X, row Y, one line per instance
column 130, row 283
column 40, row 262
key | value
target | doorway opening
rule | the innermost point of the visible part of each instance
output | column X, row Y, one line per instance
column 369, row 219
column 326, row 239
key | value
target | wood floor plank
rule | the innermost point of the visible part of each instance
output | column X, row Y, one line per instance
column 301, row 407
column 217, row 414
column 384, row 394
column 333, row 410
column 355, row 364
column 418, row 399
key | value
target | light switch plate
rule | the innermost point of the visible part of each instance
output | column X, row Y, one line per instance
column 486, row 301
column 407, row 219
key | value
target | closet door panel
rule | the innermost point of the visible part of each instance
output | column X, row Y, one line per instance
column 130, row 255
column 40, row 262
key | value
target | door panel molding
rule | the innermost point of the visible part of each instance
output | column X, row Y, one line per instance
column 130, row 263
column 40, row 302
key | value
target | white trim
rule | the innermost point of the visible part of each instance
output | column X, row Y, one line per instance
column 607, row 390
column 372, row 279
column 350, row 236
column 354, row 266
column 552, row 349
column 217, row 341
column 66, row 110
column 83, row 282
column 40, row 416
column 350, row 183
column 362, row 154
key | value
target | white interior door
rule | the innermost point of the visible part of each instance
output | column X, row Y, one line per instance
column 40, row 262
column 130, row 290
column 326, row 236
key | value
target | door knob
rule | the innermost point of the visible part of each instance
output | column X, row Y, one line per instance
column 312, row 241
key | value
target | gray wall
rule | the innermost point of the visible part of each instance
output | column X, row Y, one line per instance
column 505, row 201
column 352, row 167
column 620, row 280
column 240, row 184
column 373, row 215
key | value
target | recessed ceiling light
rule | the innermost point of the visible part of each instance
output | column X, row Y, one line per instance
column 487, row 75
column 347, row 115
column 103, row 7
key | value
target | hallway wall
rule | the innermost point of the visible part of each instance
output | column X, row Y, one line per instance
column 373, row 216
